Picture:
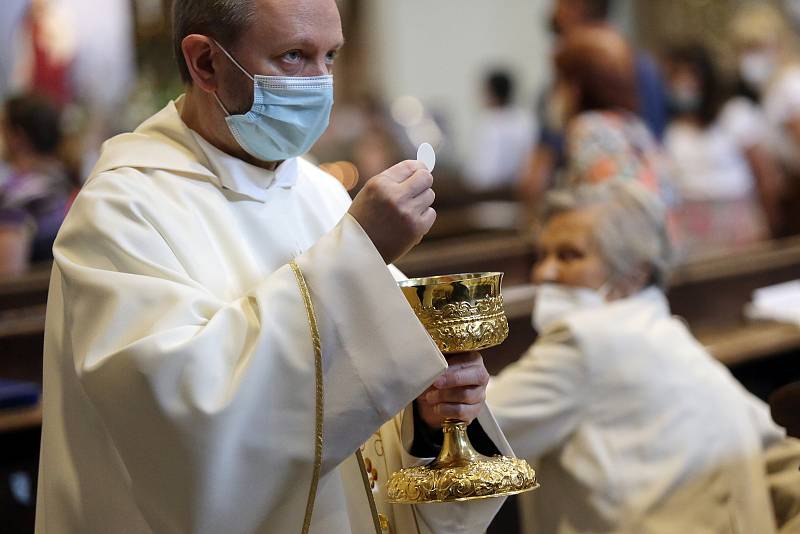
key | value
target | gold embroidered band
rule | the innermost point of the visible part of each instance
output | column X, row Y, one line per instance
column 320, row 394
column 370, row 498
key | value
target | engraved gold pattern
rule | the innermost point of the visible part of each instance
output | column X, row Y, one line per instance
column 493, row 477
column 462, row 312
column 319, row 393
column 464, row 326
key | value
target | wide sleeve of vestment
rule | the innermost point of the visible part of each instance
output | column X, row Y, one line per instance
column 210, row 402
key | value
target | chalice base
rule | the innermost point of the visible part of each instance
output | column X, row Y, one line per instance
column 460, row 473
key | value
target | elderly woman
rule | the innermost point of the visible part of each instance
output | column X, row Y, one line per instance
column 633, row 426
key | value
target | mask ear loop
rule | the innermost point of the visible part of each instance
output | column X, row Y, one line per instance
column 224, row 109
column 239, row 66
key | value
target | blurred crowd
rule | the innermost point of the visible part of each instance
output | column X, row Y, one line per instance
column 54, row 113
column 719, row 144
column 720, row 148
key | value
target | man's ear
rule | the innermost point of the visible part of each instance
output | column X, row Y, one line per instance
column 199, row 54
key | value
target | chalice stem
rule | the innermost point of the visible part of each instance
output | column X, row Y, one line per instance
column 457, row 451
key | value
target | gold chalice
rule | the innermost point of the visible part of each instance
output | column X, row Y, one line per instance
column 461, row 312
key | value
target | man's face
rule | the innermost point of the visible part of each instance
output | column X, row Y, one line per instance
column 287, row 38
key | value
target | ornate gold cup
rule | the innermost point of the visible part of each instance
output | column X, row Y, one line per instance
column 461, row 312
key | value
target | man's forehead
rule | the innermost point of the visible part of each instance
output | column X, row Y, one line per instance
column 309, row 20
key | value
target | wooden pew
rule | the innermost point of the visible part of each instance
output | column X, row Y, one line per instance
column 22, row 342
column 25, row 290
column 509, row 253
column 486, row 217
column 709, row 293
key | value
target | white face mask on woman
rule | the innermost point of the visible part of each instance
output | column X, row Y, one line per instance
column 757, row 68
column 554, row 302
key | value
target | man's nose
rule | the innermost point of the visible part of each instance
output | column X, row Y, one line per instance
column 317, row 68
column 545, row 271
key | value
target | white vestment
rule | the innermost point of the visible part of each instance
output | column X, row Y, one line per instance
column 179, row 389
column 635, row 428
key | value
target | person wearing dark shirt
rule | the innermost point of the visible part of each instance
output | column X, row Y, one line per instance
column 33, row 180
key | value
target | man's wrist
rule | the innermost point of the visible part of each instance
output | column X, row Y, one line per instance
column 427, row 441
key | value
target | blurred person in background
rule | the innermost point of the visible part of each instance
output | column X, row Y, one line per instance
column 548, row 156
column 45, row 49
column 595, row 100
column 769, row 64
column 16, row 232
column 33, row 181
column 723, row 171
column 633, row 426
column 61, row 48
column 378, row 143
column 12, row 17
column 503, row 137
column 361, row 132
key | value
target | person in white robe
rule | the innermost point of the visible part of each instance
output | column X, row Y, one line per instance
column 185, row 387
column 633, row 427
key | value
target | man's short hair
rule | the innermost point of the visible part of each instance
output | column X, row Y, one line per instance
column 37, row 118
column 224, row 20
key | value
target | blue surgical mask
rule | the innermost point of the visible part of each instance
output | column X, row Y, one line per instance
column 289, row 114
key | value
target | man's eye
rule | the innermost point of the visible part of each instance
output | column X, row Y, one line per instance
column 292, row 57
column 331, row 56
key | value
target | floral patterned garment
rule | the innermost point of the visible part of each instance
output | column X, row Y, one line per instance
column 602, row 145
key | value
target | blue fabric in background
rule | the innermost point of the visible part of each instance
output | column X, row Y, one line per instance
column 17, row 394
column 652, row 94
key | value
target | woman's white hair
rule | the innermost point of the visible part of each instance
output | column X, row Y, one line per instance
column 631, row 227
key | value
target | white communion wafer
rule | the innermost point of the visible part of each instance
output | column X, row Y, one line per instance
column 426, row 155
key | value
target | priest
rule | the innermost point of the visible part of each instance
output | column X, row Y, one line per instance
column 226, row 349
